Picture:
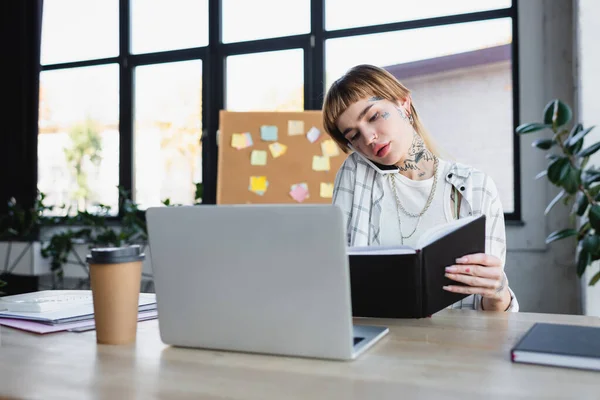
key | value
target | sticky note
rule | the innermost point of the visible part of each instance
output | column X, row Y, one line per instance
column 258, row 157
column 268, row 133
column 258, row 184
column 329, row 148
column 295, row 127
column 326, row 190
column 238, row 141
column 241, row 140
column 277, row 149
column 299, row 192
column 313, row 134
column 320, row 163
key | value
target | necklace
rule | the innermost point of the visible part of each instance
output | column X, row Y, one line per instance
column 400, row 207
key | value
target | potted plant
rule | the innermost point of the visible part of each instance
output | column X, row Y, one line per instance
column 20, row 248
column 580, row 185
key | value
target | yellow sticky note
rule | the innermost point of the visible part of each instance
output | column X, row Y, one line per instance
column 258, row 183
column 329, row 148
column 326, row 190
column 258, row 157
column 295, row 128
column 320, row 163
column 277, row 149
column 238, row 141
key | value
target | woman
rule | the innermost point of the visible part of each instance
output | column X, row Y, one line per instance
column 368, row 111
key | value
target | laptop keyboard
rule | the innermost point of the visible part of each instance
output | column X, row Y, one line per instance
column 358, row 340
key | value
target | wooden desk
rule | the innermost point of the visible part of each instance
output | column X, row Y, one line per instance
column 456, row 354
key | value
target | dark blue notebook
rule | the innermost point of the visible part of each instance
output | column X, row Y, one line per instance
column 570, row 346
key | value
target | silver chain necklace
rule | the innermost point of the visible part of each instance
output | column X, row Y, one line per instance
column 399, row 205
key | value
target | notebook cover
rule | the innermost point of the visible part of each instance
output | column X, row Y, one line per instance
column 385, row 286
column 442, row 253
column 559, row 339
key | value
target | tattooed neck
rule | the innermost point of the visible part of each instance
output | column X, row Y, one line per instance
column 419, row 158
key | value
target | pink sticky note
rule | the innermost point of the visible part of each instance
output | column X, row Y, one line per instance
column 299, row 192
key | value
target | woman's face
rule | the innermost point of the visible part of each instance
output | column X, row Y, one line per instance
column 378, row 128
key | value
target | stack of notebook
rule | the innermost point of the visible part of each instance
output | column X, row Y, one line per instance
column 60, row 310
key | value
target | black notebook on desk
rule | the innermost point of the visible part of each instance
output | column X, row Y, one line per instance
column 406, row 282
column 569, row 346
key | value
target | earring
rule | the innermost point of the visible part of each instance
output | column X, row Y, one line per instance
column 410, row 119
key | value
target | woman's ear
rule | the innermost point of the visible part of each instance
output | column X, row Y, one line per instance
column 405, row 104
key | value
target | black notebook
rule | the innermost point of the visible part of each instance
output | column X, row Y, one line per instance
column 569, row 346
column 406, row 282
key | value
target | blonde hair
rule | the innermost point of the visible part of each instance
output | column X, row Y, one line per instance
column 360, row 82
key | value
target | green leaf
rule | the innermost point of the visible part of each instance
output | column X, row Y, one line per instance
column 572, row 180
column 541, row 174
column 592, row 244
column 583, row 260
column 562, row 234
column 530, row 127
column 588, row 151
column 594, row 217
column 557, row 114
column 595, row 279
column 590, row 176
column 552, row 156
column 554, row 201
column 558, row 170
column 581, row 203
column 543, row 144
column 578, row 135
column 574, row 131
column 585, row 228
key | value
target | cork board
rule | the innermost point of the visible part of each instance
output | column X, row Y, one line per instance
column 283, row 165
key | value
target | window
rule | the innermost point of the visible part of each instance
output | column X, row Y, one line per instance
column 270, row 18
column 342, row 14
column 78, row 140
column 75, row 30
column 150, row 77
column 158, row 25
column 168, row 126
column 256, row 82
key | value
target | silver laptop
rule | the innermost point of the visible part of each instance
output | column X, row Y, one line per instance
column 271, row 279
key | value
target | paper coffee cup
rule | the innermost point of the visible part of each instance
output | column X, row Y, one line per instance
column 115, row 274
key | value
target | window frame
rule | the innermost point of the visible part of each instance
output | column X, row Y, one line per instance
column 214, row 55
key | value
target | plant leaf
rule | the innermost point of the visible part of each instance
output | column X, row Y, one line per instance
column 595, row 279
column 530, row 127
column 557, row 170
column 589, row 150
column 543, row 144
column 554, row 201
column 594, row 216
column 572, row 180
column 583, row 260
column 592, row 244
column 579, row 135
column 581, row 203
column 561, row 234
column 557, row 113
column 590, row 176
column 541, row 174
column 583, row 230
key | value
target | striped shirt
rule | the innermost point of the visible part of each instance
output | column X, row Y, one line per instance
column 358, row 191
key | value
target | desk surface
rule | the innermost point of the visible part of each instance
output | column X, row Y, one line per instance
column 455, row 354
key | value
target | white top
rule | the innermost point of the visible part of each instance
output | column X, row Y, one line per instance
column 413, row 195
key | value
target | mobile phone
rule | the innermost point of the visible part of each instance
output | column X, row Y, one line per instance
column 381, row 168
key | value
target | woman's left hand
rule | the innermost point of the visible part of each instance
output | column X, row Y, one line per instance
column 483, row 275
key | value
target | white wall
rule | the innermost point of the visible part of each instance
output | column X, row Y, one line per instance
column 587, row 15
column 543, row 277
